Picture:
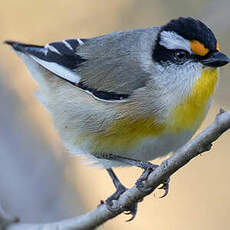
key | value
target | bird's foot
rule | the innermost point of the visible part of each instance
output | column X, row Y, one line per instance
column 112, row 205
column 111, row 202
column 141, row 182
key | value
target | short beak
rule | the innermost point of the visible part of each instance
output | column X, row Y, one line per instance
column 216, row 59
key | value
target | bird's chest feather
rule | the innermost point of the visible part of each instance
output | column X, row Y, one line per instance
column 127, row 133
column 190, row 112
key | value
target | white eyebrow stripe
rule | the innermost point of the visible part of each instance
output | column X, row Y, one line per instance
column 67, row 45
column 51, row 48
column 172, row 40
column 80, row 41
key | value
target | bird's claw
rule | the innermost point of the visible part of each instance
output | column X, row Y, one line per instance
column 165, row 187
column 140, row 183
column 114, row 197
column 113, row 207
column 131, row 211
column 141, row 186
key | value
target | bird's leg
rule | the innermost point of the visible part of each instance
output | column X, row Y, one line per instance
column 128, row 161
column 120, row 188
column 147, row 166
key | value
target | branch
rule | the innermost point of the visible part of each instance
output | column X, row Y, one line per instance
column 101, row 214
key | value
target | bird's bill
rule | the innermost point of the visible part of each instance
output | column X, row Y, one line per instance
column 216, row 59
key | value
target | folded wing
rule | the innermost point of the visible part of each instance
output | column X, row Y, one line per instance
column 57, row 57
column 109, row 67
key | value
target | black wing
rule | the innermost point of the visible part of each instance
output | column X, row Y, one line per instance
column 58, row 57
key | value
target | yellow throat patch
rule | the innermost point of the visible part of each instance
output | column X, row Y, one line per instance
column 191, row 111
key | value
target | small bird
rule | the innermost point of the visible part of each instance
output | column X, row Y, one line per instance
column 125, row 98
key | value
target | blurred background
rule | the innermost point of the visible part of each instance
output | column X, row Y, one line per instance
column 40, row 181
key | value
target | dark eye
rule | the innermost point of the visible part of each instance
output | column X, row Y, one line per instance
column 180, row 56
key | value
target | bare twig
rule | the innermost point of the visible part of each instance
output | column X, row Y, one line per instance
column 101, row 214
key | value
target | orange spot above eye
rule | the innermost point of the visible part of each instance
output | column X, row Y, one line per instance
column 217, row 46
column 198, row 48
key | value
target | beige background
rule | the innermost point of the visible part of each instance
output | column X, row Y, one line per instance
column 199, row 195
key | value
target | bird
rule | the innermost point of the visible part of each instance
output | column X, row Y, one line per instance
column 129, row 97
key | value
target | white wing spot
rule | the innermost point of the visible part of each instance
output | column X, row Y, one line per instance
column 80, row 41
column 51, row 48
column 67, row 45
column 59, row 70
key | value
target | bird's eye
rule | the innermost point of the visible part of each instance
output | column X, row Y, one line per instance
column 180, row 56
